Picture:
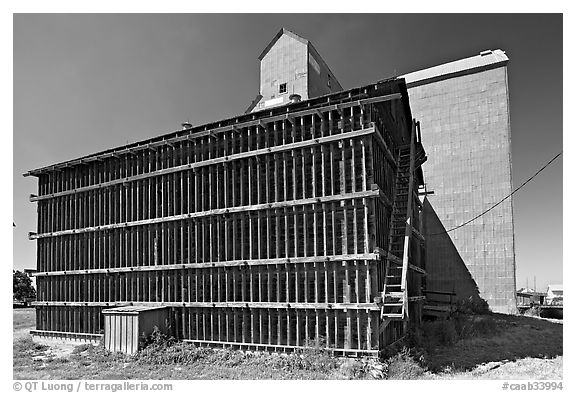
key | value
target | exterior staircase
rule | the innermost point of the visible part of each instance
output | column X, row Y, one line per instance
column 395, row 293
column 394, row 296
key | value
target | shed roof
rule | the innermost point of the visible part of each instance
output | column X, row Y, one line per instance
column 131, row 309
column 485, row 60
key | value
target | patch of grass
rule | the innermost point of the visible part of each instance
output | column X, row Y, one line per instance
column 533, row 311
column 403, row 365
column 81, row 348
column 23, row 320
column 441, row 333
column 162, row 350
column 25, row 345
column 24, row 353
column 471, row 305
column 165, row 358
column 447, row 332
column 467, row 340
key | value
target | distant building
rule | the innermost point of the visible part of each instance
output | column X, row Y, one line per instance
column 529, row 297
column 555, row 294
column 30, row 273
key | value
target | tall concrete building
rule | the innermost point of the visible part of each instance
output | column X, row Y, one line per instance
column 463, row 107
column 464, row 114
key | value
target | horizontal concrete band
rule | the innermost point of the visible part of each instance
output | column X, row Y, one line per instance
column 242, row 305
column 230, row 210
column 196, row 133
column 213, row 161
column 204, row 265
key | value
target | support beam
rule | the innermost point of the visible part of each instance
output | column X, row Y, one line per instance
column 207, row 265
column 387, row 153
column 417, row 269
column 417, row 234
column 207, row 213
column 244, row 305
column 212, row 161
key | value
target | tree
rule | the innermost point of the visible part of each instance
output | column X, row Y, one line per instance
column 22, row 286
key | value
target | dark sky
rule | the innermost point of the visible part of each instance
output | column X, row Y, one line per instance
column 84, row 83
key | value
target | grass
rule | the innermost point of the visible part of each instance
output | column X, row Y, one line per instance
column 166, row 359
column 489, row 346
column 472, row 340
column 183, row 361
column 24, row 320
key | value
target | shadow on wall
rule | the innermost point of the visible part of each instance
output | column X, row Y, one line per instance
column 446, row 271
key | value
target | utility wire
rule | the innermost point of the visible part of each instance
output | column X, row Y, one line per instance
column 503, row 199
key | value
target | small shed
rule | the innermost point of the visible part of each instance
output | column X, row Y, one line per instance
column 125, row 328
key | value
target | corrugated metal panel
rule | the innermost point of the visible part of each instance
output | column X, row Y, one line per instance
column 123, row 326
column 485, row 58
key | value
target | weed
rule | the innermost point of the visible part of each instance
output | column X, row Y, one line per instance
column 177, row 353
column 99, row 354
column 472, row 305
column 60, row 360
column 157, row 339
column 533, row 311
column 163, row 350
column 444, row 332
column 81, row 348
column 26, row 345
column 404, row 366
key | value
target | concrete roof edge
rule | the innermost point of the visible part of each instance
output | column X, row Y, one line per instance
column 485, row 60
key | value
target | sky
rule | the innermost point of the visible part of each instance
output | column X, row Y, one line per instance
column 87, row 82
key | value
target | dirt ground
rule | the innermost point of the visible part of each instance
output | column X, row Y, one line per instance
column 499, row 347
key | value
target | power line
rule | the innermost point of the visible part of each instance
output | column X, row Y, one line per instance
column 508, row 196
